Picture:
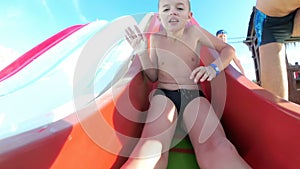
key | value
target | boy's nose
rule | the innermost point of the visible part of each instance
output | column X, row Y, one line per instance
column 174, row 13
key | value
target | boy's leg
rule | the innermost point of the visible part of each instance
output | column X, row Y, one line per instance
column 212, row 148
column 273, row 69
column 156, row 136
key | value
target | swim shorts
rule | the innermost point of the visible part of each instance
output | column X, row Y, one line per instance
column 273, row 29
column 181, row 97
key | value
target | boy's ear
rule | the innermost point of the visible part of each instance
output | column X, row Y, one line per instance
column 158, row 17
column 190, row 15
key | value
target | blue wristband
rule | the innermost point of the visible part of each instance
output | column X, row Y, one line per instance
column 215, row 68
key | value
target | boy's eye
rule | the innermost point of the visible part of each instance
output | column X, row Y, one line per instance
column 165, row 10
column 181, row 9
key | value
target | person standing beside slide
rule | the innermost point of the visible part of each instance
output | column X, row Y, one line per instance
column 275, row 21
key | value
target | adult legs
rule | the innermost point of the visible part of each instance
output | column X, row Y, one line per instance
column 273, row 69
column 213, row 150
column 152, row 149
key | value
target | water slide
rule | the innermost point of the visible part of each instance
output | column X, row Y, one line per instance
column 77, row 100
column 40, row 81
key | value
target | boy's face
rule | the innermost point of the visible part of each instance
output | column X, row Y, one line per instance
column 222, row 36
column 174, row 14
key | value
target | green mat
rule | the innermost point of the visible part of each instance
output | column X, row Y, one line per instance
column 182, row 156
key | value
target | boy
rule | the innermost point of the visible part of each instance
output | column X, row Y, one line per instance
column 173, row 61
column 222, row 34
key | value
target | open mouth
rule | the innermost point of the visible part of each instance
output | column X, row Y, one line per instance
column 173, row 20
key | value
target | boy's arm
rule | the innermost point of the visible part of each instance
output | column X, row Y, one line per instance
column 226, row 54
column 148, row 60
column 139, row 43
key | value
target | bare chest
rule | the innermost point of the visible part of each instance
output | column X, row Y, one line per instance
column 177, row 54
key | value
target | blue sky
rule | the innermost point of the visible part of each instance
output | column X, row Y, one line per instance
column 24, row 24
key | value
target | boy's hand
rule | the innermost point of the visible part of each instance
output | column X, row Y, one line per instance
column 136, row 39
column 205, row 73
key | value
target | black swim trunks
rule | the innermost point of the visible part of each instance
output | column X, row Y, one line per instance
column 273, row 29
column 181, row 97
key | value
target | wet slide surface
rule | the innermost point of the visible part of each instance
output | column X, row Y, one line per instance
column 264, row 128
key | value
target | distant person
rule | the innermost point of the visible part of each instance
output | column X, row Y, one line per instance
column 297, row 73
column 222, row 34
column 275, row 21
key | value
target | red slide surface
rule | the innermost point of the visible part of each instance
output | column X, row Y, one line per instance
column 264, row 128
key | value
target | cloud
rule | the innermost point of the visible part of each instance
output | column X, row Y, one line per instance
column 45, row 5
column 78, row 11
column 10, row 16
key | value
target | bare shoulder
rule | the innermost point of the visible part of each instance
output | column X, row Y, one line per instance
column 192, row 29
column 203, row 37
column 196, row 30
column 156, row 38
column 158, row 34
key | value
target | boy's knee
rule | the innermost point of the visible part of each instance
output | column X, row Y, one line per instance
column 222, row 145
column 150, row 149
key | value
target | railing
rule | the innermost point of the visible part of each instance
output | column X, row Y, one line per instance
column 294, row 82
